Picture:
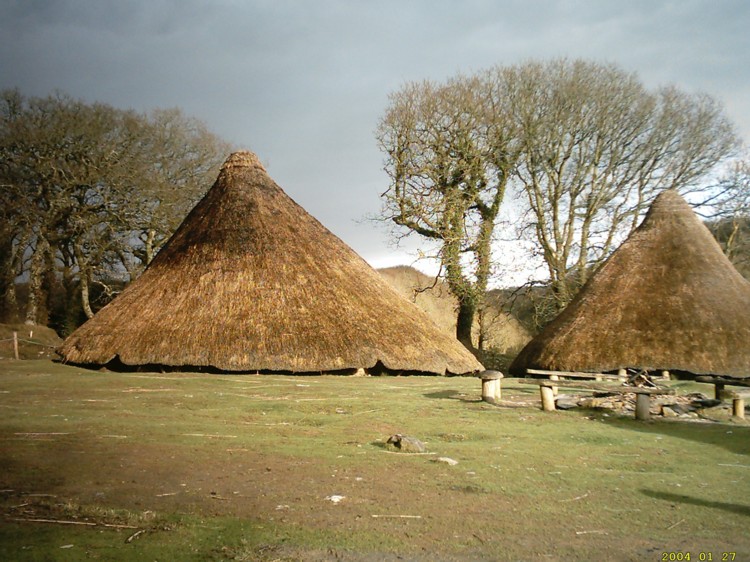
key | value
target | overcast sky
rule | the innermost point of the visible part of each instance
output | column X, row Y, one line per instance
column 303, row 83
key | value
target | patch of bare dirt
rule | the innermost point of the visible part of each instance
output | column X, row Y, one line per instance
column 107, row 472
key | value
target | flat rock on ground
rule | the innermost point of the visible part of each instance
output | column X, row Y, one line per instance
column 405, row 444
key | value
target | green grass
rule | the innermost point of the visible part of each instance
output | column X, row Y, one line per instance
column 239, row 467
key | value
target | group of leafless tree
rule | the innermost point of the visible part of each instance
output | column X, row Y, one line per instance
column 88, row 193
column 579, row 148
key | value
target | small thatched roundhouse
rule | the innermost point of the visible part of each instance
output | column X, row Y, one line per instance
column 250, row 282
column 666, row 299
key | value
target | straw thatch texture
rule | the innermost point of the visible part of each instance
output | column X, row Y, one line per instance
column 252, row 282
column 666, row 299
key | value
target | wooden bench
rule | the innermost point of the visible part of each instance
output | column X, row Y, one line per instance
column 547, row 390
column 737, row 396
column 555, row 375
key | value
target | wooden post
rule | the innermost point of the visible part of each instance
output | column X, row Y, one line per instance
column 642, row 406
column 548, row 398
column 15, row 345
column 738, row 407
column 554, row 388
column 622, row 375
column 718, row 389
column 665, row 375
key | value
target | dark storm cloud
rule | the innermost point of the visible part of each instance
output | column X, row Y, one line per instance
column 303, row 83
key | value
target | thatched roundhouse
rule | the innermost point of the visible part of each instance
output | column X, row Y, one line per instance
column 666, row 299
column 250, row 282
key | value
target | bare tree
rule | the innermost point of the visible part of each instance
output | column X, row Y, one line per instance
column 731, row 222
column 449, row 155
column 183, row 155
column 584, row 145
column 597, row 148
column 84, row 182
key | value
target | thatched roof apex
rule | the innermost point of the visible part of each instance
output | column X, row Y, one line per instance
column 243, row 159
column 251, row 282
column 666, row 299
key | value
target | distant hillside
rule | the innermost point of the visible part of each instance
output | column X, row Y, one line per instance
column 505, row 334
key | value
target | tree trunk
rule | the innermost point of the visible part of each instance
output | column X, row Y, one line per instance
column 561, row 293
column 85, row 302
column 464, row 324
column 36, row 281
column 83, row 282
column 11, row 303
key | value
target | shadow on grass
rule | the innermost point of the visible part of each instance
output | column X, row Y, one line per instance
column 472, row 399
column 679, row 498
column 734, row 438
column 452, row 395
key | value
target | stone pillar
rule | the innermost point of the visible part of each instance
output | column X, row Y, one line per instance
column 548, row 398
column 642, row 406
column 491, row 385
column 738, row 407
column 554, row 388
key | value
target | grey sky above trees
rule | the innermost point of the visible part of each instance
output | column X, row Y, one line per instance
column 303, row 83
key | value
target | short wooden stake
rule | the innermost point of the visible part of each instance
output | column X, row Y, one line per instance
column 642, row 406
column 622, row 375
column 665, row 375
column 15, row 345
column 718, row 388
column 548, row 398
column 738, row 407
column 554, row 388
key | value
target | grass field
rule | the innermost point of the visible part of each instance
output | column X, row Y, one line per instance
column 172, row 466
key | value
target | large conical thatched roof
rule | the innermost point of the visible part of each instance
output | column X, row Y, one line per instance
column 666, row 299
column 252, row 282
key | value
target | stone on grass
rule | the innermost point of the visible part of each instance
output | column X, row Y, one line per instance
column 566, row 402
column 668, row 412
column 405, row 444
column 447, row 460
column 335, row 498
